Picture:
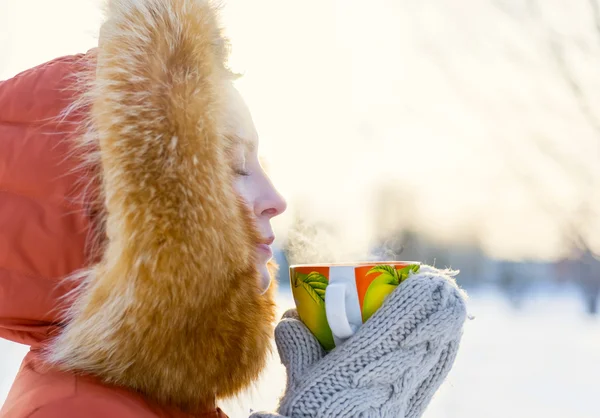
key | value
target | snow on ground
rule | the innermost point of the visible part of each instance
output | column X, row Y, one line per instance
column 542, row 360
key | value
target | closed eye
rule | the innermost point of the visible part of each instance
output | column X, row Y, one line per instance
column 241, row 172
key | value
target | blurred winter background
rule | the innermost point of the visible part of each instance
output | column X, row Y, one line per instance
column 464, row 134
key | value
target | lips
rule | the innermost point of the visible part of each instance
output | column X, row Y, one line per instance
column 265, row 246
column 265, row 249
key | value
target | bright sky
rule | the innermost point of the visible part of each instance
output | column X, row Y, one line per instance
column 469, row 110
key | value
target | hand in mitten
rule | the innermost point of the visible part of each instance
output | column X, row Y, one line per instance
column 390, row 368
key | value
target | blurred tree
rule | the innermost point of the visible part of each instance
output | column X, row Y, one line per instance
column 586, row 269
column 576, row 225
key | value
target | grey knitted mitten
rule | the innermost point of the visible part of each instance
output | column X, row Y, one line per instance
column 391, row 367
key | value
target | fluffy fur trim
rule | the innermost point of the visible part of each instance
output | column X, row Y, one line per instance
column 173, row 309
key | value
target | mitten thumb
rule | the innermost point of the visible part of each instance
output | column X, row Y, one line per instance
column 298, row 348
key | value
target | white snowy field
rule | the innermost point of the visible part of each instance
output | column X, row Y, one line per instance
column 540, row 361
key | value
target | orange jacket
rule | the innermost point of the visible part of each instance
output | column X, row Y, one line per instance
column 167, row 316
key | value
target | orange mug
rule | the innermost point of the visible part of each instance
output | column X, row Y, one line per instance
column 334, row 300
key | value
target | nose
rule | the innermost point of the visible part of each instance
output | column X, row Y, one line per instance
column 271, row 202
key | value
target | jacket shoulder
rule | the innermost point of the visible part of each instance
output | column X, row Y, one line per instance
column 44, row 393
column 88, row 406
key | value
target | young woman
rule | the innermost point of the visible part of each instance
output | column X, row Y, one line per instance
column 135, row 223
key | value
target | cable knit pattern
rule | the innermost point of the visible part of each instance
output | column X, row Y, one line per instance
column 390, row 368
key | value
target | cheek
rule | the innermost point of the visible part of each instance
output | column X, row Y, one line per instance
column 244, row 190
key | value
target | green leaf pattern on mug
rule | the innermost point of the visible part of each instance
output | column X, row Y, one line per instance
column 388, row 270
column 314, row 283
column 398, row 275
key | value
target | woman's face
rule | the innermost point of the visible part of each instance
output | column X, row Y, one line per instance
column 253, row 184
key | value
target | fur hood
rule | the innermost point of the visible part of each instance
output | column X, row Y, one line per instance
column 172, row 308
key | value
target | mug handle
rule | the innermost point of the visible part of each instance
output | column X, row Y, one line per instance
column 335, row 310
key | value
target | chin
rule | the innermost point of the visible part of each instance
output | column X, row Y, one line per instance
column 265, row 277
